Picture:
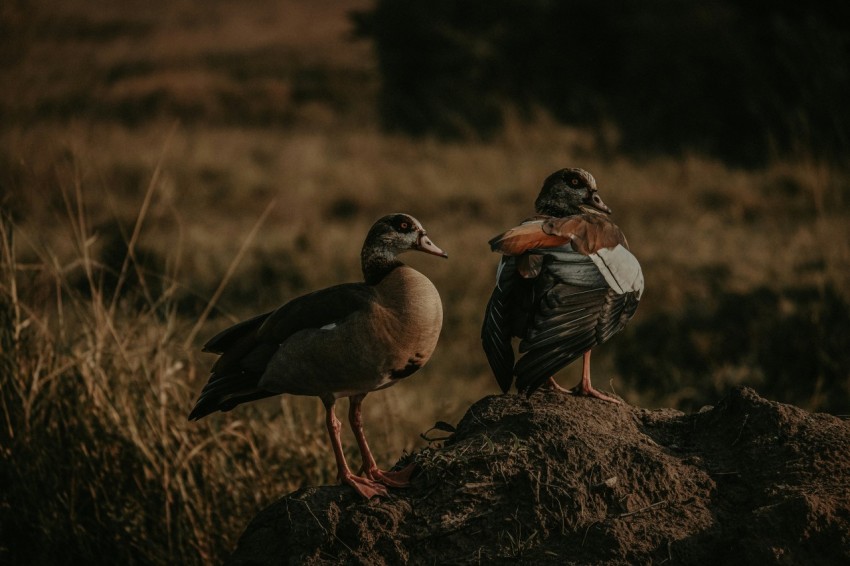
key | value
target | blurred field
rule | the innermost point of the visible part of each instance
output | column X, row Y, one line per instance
column 140, row 145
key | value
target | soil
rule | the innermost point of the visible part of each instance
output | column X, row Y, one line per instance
column 557, row 479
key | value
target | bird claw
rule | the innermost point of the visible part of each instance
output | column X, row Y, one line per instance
column 578, row 390
column 591, row 392
column 366, row 487
column 400, row 478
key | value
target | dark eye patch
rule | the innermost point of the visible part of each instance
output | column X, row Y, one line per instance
column 403, row 224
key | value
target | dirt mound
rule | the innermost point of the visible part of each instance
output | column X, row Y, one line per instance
column 559, row 480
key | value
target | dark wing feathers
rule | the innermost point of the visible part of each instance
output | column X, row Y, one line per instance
column 247, row 347
column 571, row 326
column 565, row 337
column 573, row 268
column 535, row 367
column 559, row 310
column 315, row 310
column 227, row 337
column 496, row 329
column 497, row 344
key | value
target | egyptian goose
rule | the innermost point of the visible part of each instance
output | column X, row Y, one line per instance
column 567, row 282
column 343, row 341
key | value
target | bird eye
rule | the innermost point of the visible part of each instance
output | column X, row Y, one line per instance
column 404, row 225
column 574, row 182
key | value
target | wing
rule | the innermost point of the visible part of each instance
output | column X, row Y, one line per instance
column 246, row 348
column 496, row 329
column 230, row 336
column 584, row 285
column 605, row 244
column 585, row 300
column 316, row 310
column 527, row 236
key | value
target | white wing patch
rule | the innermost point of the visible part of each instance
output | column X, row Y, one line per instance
column 330, row 326
column 620, row 269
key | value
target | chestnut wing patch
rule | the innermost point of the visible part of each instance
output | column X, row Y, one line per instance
column 524, row 237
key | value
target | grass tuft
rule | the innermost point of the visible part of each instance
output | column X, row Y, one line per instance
column 93, row 401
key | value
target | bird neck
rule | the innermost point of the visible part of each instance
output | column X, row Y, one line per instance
column 556, row 209
column 377, row 263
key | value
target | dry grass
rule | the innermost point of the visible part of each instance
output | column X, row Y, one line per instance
column 120, row 228
column 95, row 437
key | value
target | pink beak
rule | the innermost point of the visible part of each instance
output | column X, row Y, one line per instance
column 426, row 245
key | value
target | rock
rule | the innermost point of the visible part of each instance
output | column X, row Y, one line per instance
column 563, row 480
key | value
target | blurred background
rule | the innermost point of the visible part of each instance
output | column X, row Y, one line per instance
column 168, row 168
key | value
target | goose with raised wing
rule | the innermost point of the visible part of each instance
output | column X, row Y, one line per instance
column 566, row 283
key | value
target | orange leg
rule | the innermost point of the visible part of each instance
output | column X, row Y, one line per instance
column 584, row 387
column 364, row 486
column 370, row 469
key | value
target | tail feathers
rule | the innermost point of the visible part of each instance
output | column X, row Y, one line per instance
column 232, row 402
column 528, row 236
column 203, row 408
column 224, row 392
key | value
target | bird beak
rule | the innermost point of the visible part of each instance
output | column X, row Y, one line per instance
column 426, row 245
column 593, row 203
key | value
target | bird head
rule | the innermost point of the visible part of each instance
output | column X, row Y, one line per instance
column 568, row 192
column 397, row 233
